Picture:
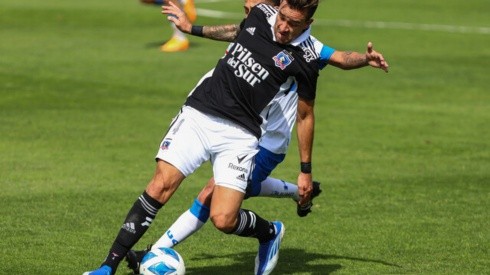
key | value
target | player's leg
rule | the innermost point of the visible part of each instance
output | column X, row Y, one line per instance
column 231, row 169
column 187, row 224
column 163, row 184
column 262, row 185
column 190, row 221
column 276, row 188
column 189, row 9
column 229, row 218
column 178, row 42
column 265, row 162
column 176, row 159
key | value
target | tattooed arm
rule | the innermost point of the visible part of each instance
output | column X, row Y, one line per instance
column 352, row 60
column 222, row 32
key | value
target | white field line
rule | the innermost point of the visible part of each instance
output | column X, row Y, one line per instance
column 220, row 14
column 362, row 24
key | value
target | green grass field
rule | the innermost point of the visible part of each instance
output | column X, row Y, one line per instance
column 403, row 157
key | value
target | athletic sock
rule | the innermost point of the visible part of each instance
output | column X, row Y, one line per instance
column 250, row 224
column 277, row 188
column 189, row 222
column 135, row 225
column 177, row 33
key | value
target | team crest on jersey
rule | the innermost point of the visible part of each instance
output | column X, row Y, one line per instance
column 283, row 59
column 165, row 144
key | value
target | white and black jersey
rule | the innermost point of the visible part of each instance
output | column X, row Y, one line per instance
column 253, row 72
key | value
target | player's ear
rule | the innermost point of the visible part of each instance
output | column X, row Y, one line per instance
column 308, row 23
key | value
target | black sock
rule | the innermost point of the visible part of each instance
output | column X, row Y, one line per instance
column 251, row 225
column 135, row 225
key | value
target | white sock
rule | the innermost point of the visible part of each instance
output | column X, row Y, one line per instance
column 182, row 228
column 277, row 188
column 177, row 33
column 189, row 222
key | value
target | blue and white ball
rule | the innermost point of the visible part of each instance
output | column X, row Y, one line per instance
column 162, row 261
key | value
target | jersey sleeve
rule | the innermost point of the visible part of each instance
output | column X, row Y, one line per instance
column 324, row 52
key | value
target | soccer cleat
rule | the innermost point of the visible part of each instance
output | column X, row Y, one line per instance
column 175, row 44
column 190, row 10
column 303, row 210
column 266, row 259
column 103, row 270
column 134, row 258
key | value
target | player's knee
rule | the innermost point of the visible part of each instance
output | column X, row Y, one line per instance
column 223, row 223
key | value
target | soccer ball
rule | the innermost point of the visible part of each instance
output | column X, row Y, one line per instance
column 162, row 261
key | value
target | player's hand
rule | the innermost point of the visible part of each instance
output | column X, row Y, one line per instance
column 375, row 59
column 305, row 187
column 177, row 16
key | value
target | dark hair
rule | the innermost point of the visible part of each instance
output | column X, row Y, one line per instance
column 309, row 5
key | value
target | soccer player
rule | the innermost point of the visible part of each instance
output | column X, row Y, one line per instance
column 274, row 143
column 272, row 146
column 178, row 42
column 221, row 121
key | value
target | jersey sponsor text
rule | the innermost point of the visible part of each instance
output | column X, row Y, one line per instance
column 246, row 66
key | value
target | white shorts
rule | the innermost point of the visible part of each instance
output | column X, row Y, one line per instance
column 195, row 137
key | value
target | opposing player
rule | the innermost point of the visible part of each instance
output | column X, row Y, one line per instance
column 178, row 42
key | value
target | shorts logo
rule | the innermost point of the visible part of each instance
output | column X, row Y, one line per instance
column 165, row 144
column 241, row 177
column 177, row 125
column 240, row 159
column 238, row 168
column 283, row 59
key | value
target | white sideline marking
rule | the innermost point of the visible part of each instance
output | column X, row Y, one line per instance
column 219, row 14
column 362, row 24
column 404, row 26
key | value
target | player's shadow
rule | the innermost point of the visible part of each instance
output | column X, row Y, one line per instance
column 291, row 261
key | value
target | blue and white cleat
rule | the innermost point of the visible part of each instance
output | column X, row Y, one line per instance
column 266, row 259
column 103, row 270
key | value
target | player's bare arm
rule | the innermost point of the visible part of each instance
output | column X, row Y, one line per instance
column 220, row 32
column 348, row 60
column 305, row 128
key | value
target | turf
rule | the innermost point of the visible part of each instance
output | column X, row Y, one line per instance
column 403, row 157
